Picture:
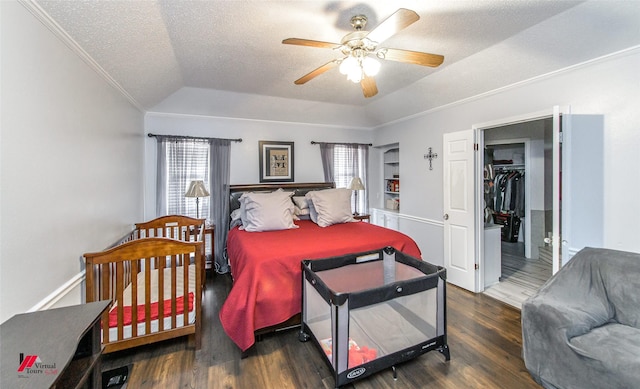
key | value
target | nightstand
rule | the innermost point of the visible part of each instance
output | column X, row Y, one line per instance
column 363, row 216
column 210, row 230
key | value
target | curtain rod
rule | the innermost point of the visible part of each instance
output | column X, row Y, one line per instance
column 150, row 135
column 313, row 142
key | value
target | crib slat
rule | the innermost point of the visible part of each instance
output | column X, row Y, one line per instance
column 174, row 308
column 89, row 274
column 134, row 298
column 104, row 289
column 147, row 296
column 185, row 289
column 161, row 297
column 119, row 293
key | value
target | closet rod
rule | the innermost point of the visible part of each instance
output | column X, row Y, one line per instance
column 313, row 142
column 150, row 135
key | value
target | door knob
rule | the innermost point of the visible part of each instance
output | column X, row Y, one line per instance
column 446, row 216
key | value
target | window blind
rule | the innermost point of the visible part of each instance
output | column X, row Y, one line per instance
column 186, row 160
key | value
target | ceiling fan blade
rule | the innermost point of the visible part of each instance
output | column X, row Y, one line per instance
column 401, row 19
column 316, row 72
column 413, row 57
column 310, row 43
column 369, row 87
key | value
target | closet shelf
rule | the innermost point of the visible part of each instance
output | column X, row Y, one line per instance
column 509, row 166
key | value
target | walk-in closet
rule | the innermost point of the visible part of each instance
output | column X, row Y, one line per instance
column 517, row 208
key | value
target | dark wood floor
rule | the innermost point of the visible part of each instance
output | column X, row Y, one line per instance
column 484, row 336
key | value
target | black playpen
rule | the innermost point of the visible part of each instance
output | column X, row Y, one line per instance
column 373, row 310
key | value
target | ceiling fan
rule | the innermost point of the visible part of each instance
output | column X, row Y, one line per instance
column 360, row 47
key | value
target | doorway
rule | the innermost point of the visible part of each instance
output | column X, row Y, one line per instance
column 518, row 199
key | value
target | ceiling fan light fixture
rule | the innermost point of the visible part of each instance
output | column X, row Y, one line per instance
column 361, row 52
column 370, row 66
column 352, row 68
column 348, row 65
column 356, row 68
column 355, row 76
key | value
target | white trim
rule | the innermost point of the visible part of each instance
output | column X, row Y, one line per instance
column 509, row 121
column 59, row 293
column 58, row 31
column 571, row 251
column 231, row 118
column 526, row 117
column 621, row 53
column 437, row 223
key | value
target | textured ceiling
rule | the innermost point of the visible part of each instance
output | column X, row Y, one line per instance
column 216, row 57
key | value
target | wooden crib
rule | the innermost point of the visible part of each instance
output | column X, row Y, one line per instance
column 175, row 227
column 155, row 281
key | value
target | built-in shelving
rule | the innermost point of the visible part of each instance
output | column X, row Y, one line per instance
column 391, row 171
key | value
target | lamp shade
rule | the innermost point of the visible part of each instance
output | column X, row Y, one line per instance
column 196, row 189
column 356, row 184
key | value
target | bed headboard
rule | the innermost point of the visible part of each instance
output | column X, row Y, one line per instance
column 300, row 189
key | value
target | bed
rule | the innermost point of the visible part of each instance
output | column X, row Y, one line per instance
column 266, row 265
column 155, row 284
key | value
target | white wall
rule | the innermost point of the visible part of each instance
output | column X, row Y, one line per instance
column 71, row 163
column 609, row 86
column 244, row 155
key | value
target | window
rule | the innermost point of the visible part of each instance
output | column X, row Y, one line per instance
column 186, row 160
column 350, row 161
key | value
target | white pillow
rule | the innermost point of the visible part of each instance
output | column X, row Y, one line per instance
column 235, row 218
column 313, row 214
column 301, row 214
column 267, row 211
column 301, row 202
column 331, row 205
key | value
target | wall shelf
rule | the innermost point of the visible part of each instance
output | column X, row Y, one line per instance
column 391, row 172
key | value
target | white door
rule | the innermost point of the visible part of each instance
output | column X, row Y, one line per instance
column 578, row 185
column 557, row 187
column 459, row 215
column 583, row 181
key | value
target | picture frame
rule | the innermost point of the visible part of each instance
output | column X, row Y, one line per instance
column 276, row 161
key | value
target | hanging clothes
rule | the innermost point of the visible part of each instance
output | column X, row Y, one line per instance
column 509, row 192
column 508, row 202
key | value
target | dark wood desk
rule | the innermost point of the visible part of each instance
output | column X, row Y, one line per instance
column 56, row 348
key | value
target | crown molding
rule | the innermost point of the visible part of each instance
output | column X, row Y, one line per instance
column 241, row 119
column 594, row 61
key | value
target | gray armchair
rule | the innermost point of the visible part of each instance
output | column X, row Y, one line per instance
column 582, row 328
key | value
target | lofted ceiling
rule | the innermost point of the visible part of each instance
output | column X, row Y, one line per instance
column 225, row 58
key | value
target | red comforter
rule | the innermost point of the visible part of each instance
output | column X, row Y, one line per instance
column 267, row 288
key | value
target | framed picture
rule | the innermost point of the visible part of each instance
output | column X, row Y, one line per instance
column 276, row 161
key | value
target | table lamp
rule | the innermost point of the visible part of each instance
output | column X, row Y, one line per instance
column 197, row 190
column 356, row 185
